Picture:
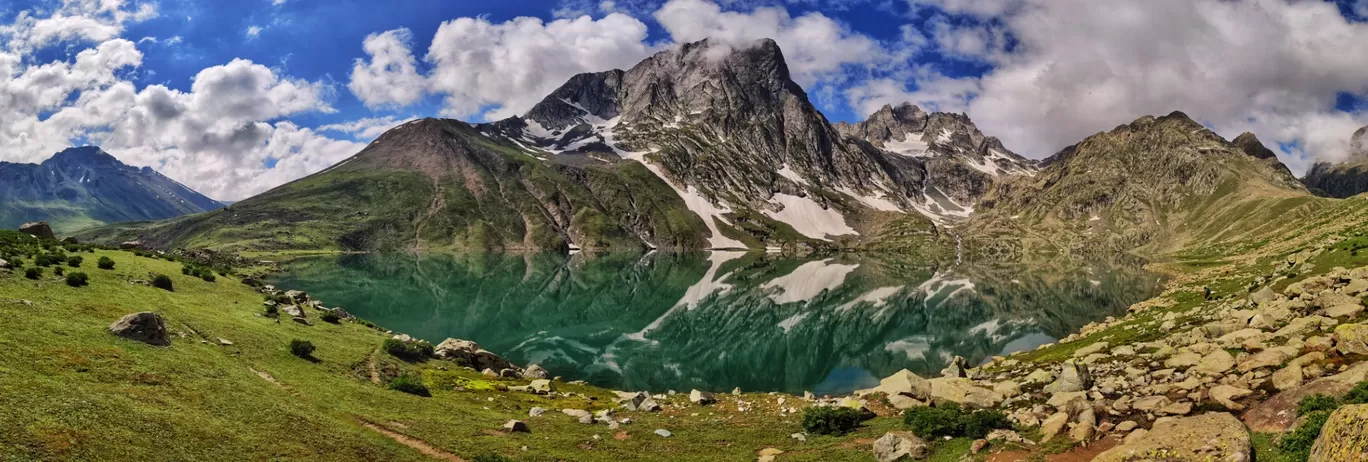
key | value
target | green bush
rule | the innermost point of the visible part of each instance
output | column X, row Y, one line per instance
column 105, row 263
column 409, row 384
column 409, row 351
column 1315, row 403
column 954, row 421
column 162, row 281
column 59, row 271
column 77, row 279
column 33, row 273
column 1358, row 395
column 301, row 348
column 208, row 276
column 272, row 311
column 331, row 317
column 491, row 458
column 75, row 262
column 1298, row 442
column 830, row 420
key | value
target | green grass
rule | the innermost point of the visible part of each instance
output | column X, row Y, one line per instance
column 70, row 390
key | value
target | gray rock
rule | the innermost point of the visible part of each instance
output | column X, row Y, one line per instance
column 542, row 387
column 38, row 229
column 1053, row 425
column 702, row 398
column 899, row 446
column 1073, row 377
column 639, row 401
column 663, row 433
column 516, row 426
column 536, row 412
column 957, row 368
column 146, row 327
column 535, row 372
column 583, row 416
column 1215, row 436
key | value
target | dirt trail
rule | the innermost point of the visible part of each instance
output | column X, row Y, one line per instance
column 413, row 443
column 374, row 372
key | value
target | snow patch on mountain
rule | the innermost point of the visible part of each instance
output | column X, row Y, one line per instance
column 809, row 218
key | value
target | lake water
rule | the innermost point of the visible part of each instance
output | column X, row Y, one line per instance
column 715, row 321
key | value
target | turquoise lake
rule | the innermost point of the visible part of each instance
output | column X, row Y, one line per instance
column 719, row 320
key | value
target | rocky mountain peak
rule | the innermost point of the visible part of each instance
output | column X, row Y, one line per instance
column 85, row 156
column 590, row 94
column 1251, row 145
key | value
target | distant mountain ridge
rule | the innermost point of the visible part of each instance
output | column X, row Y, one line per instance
column 86, row 186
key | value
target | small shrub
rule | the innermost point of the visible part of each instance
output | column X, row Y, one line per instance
column 954, row 421
column 1358, row 395
column 208, row 276
column 409, row 351
column 162, row 281
column 491, row 458
column 331, row 317
column 75, row 262
column 77, row 279
column 409, row 384
column 59, row 271
column 1315, row 403
column 830, row 420
column 301, row 348
column 1298, row 442
column 272, row 311
column 33, row 273
column 105, row 263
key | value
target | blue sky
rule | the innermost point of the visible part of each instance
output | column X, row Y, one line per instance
column 233, row 98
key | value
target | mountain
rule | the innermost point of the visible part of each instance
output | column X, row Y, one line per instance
column 705, row 145
column 1345, row 179
column 85, row 186
column 1156, row 184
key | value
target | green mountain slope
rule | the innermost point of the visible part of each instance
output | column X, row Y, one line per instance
column 81, row 187
column 1154, row 185
column 439, row 185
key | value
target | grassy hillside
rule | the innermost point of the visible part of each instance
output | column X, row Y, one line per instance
column 70, row 390
column 440, row 185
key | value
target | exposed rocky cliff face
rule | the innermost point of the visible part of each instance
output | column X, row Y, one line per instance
column 1345, row 179
column 85, row 186
column 725, row 126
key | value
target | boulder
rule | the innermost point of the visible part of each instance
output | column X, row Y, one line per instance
column 963, row 391
column 1347, row 310
column 130, row 245
column 1272, row 357
column 1053, row 425
column 146, row 327
column 1215, row 436
column 958, row 368
column 542, row 387
column 1074, row 377
column 1344, row 436
column 1150, row 403
column 899, row 446
column 1007, row 388
column 38, row 229
column 1227, row 394
column 536, row 412
column 4, row 264
column 1215, row 363
column 1185, row 359
column 1084, row 427
column 639, row 401
column 469, row 354
column 702, row 398
column 1352, row 339
column 663, row 433
column 902, row 402
column 1287, row 378
column 1040, row 376
column 293, row 311
column 516, row 426
column 903, row 382
column 535, row 372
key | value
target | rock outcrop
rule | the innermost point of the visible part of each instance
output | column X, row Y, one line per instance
column 38, row 229
column 1216, row 436
column 146, row 327
column 1344, row 437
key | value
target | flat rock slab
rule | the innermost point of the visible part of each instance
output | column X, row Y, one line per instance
column 1215, row 437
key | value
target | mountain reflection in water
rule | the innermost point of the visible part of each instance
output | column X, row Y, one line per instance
column 719, row 320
